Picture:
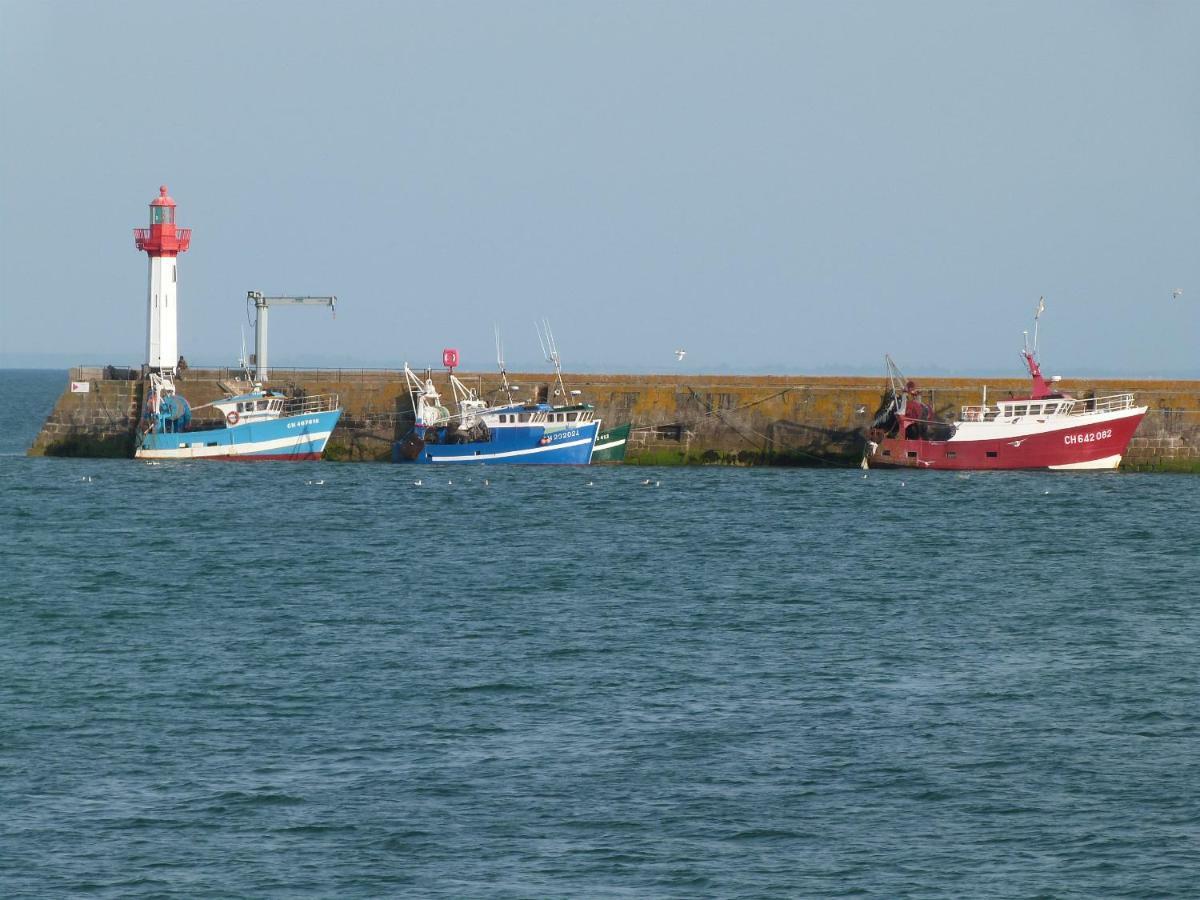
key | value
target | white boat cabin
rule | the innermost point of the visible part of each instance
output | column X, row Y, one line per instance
column 517, row 416
column 1045, row 408
column 257, row 406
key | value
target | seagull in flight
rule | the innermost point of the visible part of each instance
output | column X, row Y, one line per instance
column 1177, row 293
column 680, row 354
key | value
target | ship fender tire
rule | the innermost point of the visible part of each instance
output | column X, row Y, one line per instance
column 232, row 417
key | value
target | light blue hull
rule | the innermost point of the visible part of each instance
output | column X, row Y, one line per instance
column 521, row 444
column 286, row 438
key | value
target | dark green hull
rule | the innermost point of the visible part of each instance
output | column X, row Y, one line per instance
column 610, row 444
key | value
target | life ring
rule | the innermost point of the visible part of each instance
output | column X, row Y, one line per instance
column 232, row 417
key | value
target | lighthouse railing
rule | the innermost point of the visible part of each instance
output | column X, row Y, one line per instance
column 179, row 240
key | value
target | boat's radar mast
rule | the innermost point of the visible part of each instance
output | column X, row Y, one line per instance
column 1040, row 388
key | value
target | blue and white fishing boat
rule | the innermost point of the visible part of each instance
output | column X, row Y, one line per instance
column 259, row 424
column 511, row 432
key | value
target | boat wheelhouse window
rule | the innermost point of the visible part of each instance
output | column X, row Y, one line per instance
column 503, row 417
column 1035, row 409
column 1051, row 408
column 571, row 417
column 262, row 404
column 1019, row 410
column 524, row 417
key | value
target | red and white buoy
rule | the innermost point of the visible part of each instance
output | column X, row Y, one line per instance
column 163, row 242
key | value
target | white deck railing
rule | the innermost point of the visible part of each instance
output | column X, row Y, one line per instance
column 1111, row 403
column 313, row 403
column 1075, row 407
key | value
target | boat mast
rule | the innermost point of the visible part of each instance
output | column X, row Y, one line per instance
column 550, row 351
column 1040, row 388
column 1041, row 308
column 505, row 386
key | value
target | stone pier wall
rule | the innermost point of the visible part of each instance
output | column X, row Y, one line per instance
column 782, row 420
column 100, row 422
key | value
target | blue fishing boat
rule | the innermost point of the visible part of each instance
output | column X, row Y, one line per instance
column 259, row 424
column 511, row 432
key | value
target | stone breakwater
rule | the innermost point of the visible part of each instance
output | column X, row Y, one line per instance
column 730, row 419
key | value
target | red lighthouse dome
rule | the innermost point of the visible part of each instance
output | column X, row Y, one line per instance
column 162, row 238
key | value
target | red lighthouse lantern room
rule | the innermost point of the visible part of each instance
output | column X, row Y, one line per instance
column 162, row 238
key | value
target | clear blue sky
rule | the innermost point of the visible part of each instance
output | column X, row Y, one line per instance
column 780, row 187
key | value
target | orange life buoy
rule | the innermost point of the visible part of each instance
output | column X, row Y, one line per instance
column 232, row 417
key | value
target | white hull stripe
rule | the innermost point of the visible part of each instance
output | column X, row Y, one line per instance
column 508, row 454
column 619, row 443
column 291, row 442
column 1107, row 462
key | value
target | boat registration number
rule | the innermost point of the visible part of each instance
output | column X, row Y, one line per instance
column 303, row 422
column 559, row 436
column 1087, row 437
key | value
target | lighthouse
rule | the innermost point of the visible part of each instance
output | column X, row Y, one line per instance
column 163, row 243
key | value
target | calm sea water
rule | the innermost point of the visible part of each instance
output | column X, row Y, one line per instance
column 319, row 679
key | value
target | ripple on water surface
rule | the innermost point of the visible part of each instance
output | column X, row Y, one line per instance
column 229, row 680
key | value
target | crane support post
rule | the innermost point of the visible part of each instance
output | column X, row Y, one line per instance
column 262, row 305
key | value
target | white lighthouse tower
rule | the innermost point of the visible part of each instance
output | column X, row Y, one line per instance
column 163, row 243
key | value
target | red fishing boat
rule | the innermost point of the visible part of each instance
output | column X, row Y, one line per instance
column 1046, row 430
